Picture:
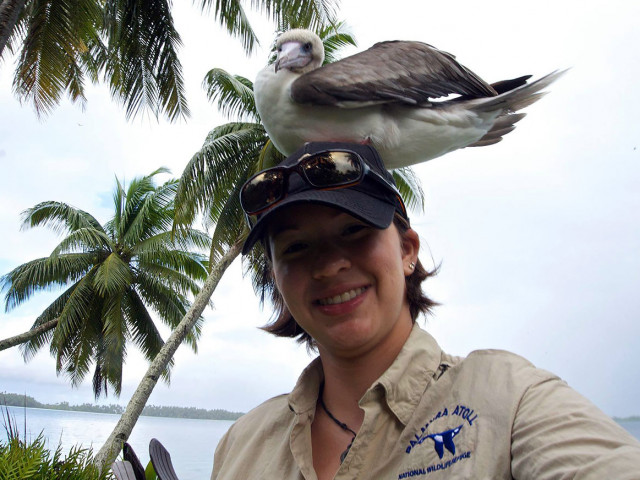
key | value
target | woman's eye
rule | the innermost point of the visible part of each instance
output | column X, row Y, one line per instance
column 293, row 248
column 355, row 229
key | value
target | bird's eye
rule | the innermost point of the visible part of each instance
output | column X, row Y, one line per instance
column 307, row 46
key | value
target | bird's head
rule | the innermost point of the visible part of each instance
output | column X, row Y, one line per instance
column 299, row 51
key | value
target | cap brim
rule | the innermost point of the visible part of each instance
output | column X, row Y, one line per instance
column 363, row 206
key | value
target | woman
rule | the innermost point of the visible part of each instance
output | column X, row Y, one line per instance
column 382, row 401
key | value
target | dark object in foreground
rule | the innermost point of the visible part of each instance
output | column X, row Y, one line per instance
column 161, row 461
column 131, row 468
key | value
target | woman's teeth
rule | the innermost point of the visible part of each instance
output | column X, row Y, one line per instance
column 344, row 297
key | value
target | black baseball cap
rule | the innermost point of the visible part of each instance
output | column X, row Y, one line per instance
column 371, row 200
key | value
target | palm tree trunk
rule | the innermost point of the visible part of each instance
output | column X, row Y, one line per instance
column 9, row 13
column 124, row 427
column 28, row 335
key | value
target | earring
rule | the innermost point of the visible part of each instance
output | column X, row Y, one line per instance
column 412, row 265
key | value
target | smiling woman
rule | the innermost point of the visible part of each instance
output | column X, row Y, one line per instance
column 382, row 400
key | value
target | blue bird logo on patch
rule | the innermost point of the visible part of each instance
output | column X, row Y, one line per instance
column 444, row 440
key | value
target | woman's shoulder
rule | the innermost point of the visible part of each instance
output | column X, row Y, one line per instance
column 274, row 410
column 499, row 365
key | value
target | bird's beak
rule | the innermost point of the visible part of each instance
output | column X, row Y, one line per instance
column 292, row 56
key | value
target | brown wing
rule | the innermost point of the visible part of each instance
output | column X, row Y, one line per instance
column 396, row 71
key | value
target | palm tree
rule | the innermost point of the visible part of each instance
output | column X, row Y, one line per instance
column 111, row 275
column 132, row 44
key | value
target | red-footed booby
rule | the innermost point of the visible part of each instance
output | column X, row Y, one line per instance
column 386, row 96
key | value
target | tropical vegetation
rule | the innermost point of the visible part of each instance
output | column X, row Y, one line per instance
column 32, row 460
column 17, row 400
column 115, row 277
column 131, row 45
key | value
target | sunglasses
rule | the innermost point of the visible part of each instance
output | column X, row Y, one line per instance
column 326, row 170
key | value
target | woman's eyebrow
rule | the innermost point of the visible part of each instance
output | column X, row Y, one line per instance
column 281, row 229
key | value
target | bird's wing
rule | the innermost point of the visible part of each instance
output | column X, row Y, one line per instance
column 402, row 72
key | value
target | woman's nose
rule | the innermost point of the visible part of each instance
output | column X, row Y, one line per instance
column 329, row 261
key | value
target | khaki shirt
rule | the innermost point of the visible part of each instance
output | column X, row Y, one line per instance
column 491, row 415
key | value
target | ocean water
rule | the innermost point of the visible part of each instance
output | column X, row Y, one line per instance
column 190, row 442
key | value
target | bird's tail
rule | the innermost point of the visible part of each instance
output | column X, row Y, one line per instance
column 518, row 98
column 510, row 102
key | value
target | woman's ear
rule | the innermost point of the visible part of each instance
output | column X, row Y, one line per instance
column 410, row 247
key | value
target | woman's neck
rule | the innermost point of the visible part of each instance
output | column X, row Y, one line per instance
column 348, row 378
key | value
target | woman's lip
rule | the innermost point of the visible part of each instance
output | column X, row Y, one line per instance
column 341, row 296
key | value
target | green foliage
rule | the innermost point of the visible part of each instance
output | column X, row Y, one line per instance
column 190, row 412
column 149, row 472
column 131, row 44
column 111, row 275
column 22, row 460
column 17, row 400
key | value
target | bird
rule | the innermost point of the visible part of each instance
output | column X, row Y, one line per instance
column 444, row 440
column 409, row 100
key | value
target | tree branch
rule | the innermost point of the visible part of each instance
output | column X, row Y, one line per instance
column 28, row 335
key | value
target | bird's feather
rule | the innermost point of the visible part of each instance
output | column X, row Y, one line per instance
column 411, row 101
column 408, row 72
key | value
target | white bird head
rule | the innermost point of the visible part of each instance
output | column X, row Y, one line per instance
column 299, row 51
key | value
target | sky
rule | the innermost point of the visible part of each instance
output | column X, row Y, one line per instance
column 537, row 238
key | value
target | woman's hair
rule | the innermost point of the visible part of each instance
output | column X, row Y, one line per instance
column 284, row 325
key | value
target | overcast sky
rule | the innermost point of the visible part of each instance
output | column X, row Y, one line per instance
column 538, row 237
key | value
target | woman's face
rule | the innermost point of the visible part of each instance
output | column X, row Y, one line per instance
column 343, row 280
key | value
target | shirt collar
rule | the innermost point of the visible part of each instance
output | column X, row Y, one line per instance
column 304, row 395
column 403, row 382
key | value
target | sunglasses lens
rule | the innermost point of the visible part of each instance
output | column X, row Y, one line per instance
column 263, row 190
column 332, row 169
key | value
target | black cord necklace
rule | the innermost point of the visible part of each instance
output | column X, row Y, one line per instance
column 342, row 425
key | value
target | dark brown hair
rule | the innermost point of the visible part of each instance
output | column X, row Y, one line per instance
column 284, row 325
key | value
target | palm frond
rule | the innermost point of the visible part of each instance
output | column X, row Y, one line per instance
column 10, row 16
column 142, row 63
column 58, row 216
column 76, row 310
column 142, row 327
column 31, row 347
column 185, row 238
column 410, row 188
column 84, row 240
column 212, row 173
column 114, row 347
column 171, row 307
column 231, row 224
column 75, row 353
column 232, row 17
column 140, row 199
column 154, row 214
column 312, row 14
column 177, row 269
column 44, row 274
column 112, row 277
column 335, row 39
column 256, row 265
column 57, row 36
column 234, row 94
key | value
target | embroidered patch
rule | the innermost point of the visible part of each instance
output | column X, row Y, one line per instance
column 456, row 421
